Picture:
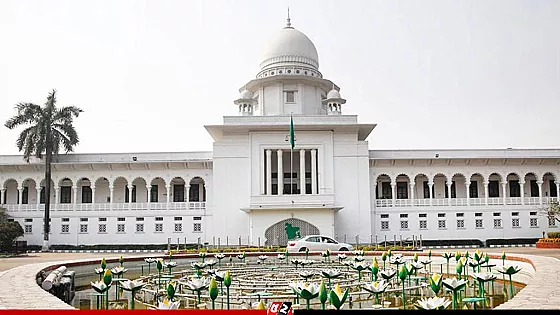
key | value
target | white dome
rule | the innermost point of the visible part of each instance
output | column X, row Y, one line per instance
column 245, row 95
column 333, row 94
column 290, row 46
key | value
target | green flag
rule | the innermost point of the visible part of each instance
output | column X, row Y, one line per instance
column 292, row 138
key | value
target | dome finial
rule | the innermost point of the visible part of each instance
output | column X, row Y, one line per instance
column 288, row 23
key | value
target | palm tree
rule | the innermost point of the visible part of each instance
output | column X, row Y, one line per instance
column 48, row 128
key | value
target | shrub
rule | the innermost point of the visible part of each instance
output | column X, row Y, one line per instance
column 554, row 234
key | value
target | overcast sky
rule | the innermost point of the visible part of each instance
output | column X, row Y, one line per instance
column 150, row 74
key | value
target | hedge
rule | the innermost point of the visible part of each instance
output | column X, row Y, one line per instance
column 554, row 234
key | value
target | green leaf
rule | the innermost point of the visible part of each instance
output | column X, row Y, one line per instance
column 213, row 289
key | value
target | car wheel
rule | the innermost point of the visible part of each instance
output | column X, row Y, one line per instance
column 343, row 249
column 302, row 249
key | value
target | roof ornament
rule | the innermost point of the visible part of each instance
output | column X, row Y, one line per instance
column 288, row 23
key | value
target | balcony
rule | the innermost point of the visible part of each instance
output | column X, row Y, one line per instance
column 134, row 206
column 425, row 202
column 323, row 201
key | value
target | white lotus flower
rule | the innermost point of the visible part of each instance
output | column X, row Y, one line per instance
column 99, row 271
column 219, row 256
column 305, row 262
column 198, row 265
column 330, row 273
column 169, row 264
column 362, row 265
column 453, row 284
column 417, row 265
column 211, row 272
column 397, row 260
column 219, row 275
column 150, row 260
column 281, row 256
column 262, row 257
column 167, row 305
column 211, row 262
column 358, row 253
column 305, row 290
column 484, row 276
column 433, row 303
column 388, row 273
column 307, row 274
column 132, row 285
column 99, row 286
column 376, row 286
column 117, row 271
column 341, row 256
column 197, row 284
column 359, row 258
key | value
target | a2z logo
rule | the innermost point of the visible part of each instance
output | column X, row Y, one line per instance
column 280, row 308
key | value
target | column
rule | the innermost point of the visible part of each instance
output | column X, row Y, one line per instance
column 280, row 170
column 449, row 192
column 130, row 187
column 302, row 171
column 188, row 196
column 111, row 193
column 540, row 191
column 269, row 172
column 557, row 190
column 75, row 197
column 374, row 192
column 393, row 193
column 467, row 188
column 38, row 197
column 504, row 192
column 168, row 187
column 92, row 195
column 411, row 185
column 149, row 193
column 314, row 171
column 56, row 195
column 485, row 193
column 2, row 192
column 522, row 192
column 430, row 185
column 19, row 199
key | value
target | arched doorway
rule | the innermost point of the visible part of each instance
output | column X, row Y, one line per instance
column 277, row 234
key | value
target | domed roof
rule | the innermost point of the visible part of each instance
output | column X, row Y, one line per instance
column 333, row 94
column 245, row 95
column 290, row 46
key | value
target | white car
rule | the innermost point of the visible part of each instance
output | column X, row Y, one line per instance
column 317, row 243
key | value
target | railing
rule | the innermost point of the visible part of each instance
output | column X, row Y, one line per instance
column 532, row 200
column 495, row 201
column 134, row 206
column 403, row 202
column 440, row 202
column 383, row 203
column 477, row 201
column 513, row 201
column 459, row 202
column 421, row 202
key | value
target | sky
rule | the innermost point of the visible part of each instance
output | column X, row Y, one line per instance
column 150, row 74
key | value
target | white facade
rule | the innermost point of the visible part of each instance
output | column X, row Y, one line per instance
column 252, row 183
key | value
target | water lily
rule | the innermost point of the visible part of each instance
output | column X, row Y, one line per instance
column 358, row 258
column 429, row 253
column 168, row 305
column 107, row 280
column 150, row 261
column 281, row 256
column 121, row 260
column 510, row 271
column 103, row 263
column 219, row 257
column 384, row 257
column 433, row 303
column 477, row 255
column 482, row 278
column 323, row 296
column 454, row 285
column 296, row 262
column 197, row 285
column 459, row 268
column 306, row 274
column 211, row 263
column 99, row 286
column 358, row 253
column 133, row 286
column 262, row 258
column 306, row 262
column 374, row 269
column 416, row 266
column 118, row 271
column 376, row 287
column 341, row 257
column 397, row 260
column 503, row 258
column 202, row 255
column 169, row 265
column 435, row 283
column 388, row 274
column 330, row 274
column 241, row 257
column 326, row 254
column 306, row 290
column 99, row 271
column 457, row 256
column 337, row 297
column 447, row 257
column 415, row 258
column 359, row 266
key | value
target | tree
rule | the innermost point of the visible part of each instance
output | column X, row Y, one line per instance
column 552, row 210
column 9, row 231
column 47, row 130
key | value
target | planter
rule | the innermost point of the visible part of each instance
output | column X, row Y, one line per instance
column 548, row 243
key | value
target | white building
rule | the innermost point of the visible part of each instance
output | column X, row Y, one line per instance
column 251, row 185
